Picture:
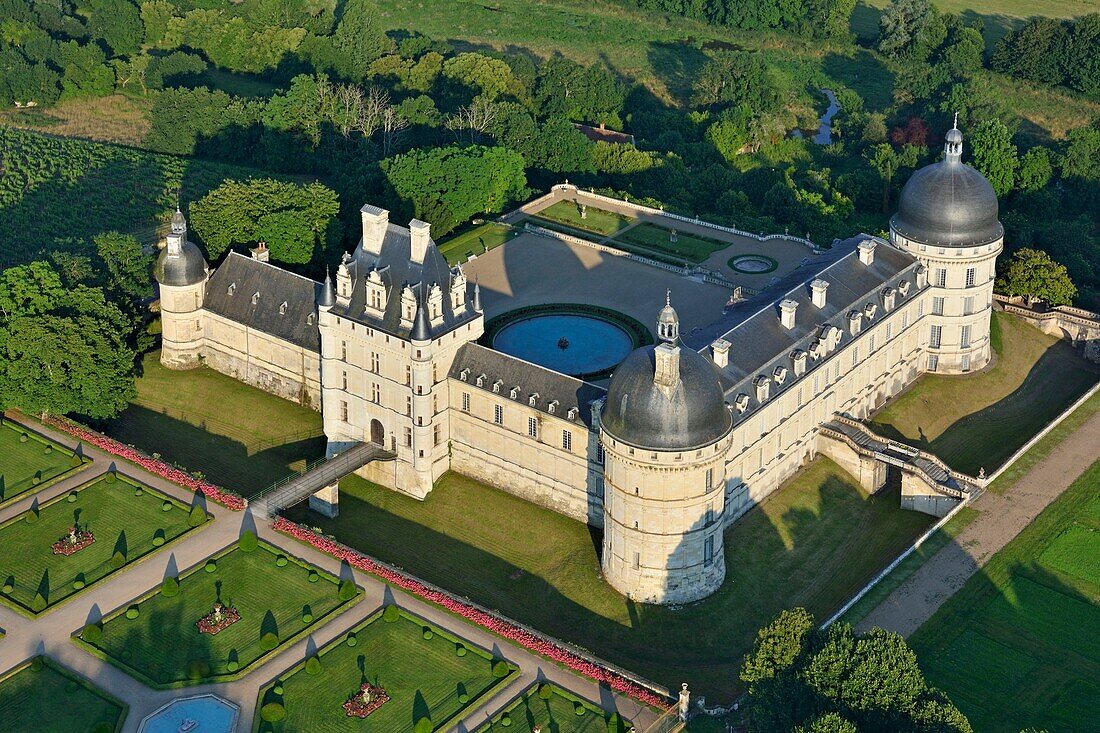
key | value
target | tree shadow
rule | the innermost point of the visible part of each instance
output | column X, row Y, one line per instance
column 677, row 65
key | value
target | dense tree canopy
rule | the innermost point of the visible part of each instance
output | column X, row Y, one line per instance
column 911, row 28
column 1051, row 51
column 1034, row 275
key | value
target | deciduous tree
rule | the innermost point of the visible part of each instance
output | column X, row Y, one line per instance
column 1033, row 274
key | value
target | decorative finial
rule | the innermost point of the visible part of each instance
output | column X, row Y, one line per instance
column 668, row 298
column 955, row 124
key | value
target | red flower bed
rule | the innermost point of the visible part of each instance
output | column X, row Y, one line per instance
column 208, row 625
column 226, row 498
column 74, row 542
column 482, row 618
column 355, row 707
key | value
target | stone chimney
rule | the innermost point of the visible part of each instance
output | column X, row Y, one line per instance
column 787, row 309
column 867, row 251
column 817, row 292
column 666, row 372
column 419, row 239
column 720, row 353
column 375, row 221
column 260, row 252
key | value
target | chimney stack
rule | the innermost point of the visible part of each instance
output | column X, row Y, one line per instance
column 817, row 291
column 375, row 222
column 867, row 251
column 787, row 309
column 260, row 252
column 720, row 353
column 419, row 237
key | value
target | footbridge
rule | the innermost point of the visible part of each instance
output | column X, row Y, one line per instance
column 928, row 484
column 321, row 474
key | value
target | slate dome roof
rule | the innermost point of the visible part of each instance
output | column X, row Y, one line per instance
column 949, row 203
column 187, row 268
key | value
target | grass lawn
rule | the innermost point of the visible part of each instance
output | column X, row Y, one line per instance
column 596, row 221
column 813, row 543
column 1017, row 646
column 690, row 247
column 163, row 646
column 237, row 436
column 476, row 241
column 121, row 515
column 423, row 677
column 981, row 419
column 998, row 16
column 27, row 460
column 556, row 710
column 73, row 704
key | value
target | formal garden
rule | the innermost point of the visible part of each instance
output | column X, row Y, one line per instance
column 1017, row 646
column 584, row 219
column 475, row 242
column 54, row 550
column 395, row 673
column 29, row 461
column 74, row 705
column 219, row 618
column 661, row 242
column 814, row 543
column 547, row 708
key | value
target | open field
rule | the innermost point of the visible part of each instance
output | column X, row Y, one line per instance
column 690, row 247
column 235, row 435
column 1014, row 648
column 163, row 647
column 998, row 16
column 555, row 710
column 423, row 677
column 980, row 420
column 29, row 461
column 596, row 221
column 123, row 516
column 115, row 119
column 476, row 241
column 43, row 697
column 813, row 543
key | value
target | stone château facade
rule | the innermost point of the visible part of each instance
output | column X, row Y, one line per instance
column 689, row 433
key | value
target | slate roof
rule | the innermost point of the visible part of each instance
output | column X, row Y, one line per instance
column 397, row 269
column 759, row 343
column 530, row 378
column 275, row 287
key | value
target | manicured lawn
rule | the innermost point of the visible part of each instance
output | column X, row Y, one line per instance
column 814, row 543
column 981, row 419
column 690, row 247
column 1016, row 647
column 596, row 220
column 557, row 710
column 477, row 241
column 122, row 515
column 163, row 646
column 237, row 436
column 43, row 697
column 423, row 677
column 28, row 460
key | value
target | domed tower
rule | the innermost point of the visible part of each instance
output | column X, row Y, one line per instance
column 181, row 271
column 947, row 218
column 665, row 429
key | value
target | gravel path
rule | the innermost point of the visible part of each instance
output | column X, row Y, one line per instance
column 1001, row 518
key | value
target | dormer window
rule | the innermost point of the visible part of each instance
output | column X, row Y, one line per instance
column 855, row 322
column 741, row 403
column 256, row 297
column 763, row 387
column 780, row 374
column 552, row 407
column 311, row 319
column 832, row 337
column 889, row 295
column 232, row 288
column 903, row 287
column 870, row 310
column 798, row 358
column 572, row 414
column 533, row 399
column 514, row 393
column 464, row 374
column 282, row 308
column 480, row 380
column 497, row 385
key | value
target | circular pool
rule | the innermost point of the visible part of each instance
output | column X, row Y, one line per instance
column 570, row 343
column 198, row 713
column 753, row 264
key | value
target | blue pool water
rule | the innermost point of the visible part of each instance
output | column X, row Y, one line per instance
column 210, row 715
column 571, row 344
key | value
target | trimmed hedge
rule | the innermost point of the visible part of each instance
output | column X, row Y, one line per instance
column 170, row 587
column 500, row 669
column 272, row 712
column 248, row 541
column 313, row 665
column 391, row 614
column 347, row 590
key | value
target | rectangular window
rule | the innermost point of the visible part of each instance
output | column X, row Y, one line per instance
column 937, row 306
column 920, row 309
column 905, row 320
column 709, row 516
column 637, row 560
column 934, row 339
column 345, row 381
column 498, row 414
column 408, row 374
column 968, row 305
column 408, row 405
column 966, row 362
column 344, row 350
column 799, row 400
column 566, row 440
column 971, row 276
column 941, row 277
column 375, row 394
column 855, row 355
column 532, row 427
column 710, row 479
column 964, row 337
column 933, row 362
column 465, row 401
column 374, row 362
column 437, row 434
column 344, row 411
column 408, row 437
column 817, row 387
column 599, row 453
column 871, row 343
column 889, row 331
column 708, row 551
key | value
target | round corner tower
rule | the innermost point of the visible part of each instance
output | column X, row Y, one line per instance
column 947, row 218
column 181, row 272
column 665, row 430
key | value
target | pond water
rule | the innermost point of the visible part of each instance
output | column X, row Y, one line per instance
column 824, row 134
column 566, row 343
column 198, row 714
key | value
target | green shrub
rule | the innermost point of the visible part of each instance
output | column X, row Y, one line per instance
column 424, row 725
column 233, row 663
column 500, row 669
column 32, row 516
column 167, row 506
column 118, row 559
column 273, row 712
column 37, row 664
column 110, row 477
column 578, row 709
column 347, row 590
column 71, row 497
column 314, row 576
column 158, row 538
column 427, row 633
column 281, row 561
column 210, row 566
column 545, row 691
column 460, row 650
column 48, row 450
column 138, row 491
column 38, row 603
column 133, row 612
column 307, row 617
column 170, row 587
column 391, row 614
column 75, row 461
column 92, row 634
column 37, row 478
column 9, row 585
column 196, row 517
column 78, row 583
column 24, row 438
column 313, row 665
column 277, row 689
column 463, row 698
column 506, row 720
column 248, row 541
column 614, row 725
column 352, row 639
column 269, row 641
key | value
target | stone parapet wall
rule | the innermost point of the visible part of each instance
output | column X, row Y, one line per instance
column 293, row 387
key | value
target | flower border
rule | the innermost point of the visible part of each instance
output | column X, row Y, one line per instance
column 485, row 619
column 225, row 497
